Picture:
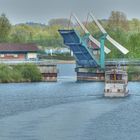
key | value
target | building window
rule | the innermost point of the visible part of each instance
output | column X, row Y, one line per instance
column 12, row 55
column 15, row 55
column 1, row 55
column 9, row 55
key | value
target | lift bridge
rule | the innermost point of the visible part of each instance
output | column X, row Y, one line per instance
column 89, row 52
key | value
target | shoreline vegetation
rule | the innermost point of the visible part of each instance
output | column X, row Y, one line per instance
column 19, row 73
column 25, row 72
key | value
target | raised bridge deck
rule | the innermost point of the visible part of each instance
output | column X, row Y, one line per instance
column 78, row 45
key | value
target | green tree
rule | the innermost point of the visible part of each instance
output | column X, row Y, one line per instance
column 5, row 28
column 118, row 19
column 134, row 43
column 61, row 22
column 135, row 25
column 21, row 34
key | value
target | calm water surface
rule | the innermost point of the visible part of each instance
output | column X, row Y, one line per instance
column 67, row 110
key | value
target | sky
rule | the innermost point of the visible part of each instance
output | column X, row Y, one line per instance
column 41, row 11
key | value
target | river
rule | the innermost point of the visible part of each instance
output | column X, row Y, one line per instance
column 67, row 110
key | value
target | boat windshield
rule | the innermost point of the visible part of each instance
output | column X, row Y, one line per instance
column 115, row 76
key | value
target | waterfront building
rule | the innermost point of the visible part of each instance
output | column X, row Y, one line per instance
column 10, row 51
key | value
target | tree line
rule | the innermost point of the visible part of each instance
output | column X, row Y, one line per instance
column 126, row 32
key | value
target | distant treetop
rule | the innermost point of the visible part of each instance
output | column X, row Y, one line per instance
column 60, row 21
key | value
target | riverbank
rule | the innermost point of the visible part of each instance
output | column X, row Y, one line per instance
column 19, row 73
column 38, row 71
column 133, row 73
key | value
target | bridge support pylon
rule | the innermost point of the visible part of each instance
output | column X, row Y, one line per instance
column 90, row 74
column 93, row 74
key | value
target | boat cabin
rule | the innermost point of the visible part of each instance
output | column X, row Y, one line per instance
column 116, row 83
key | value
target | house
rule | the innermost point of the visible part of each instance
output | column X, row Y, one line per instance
column 18, row 51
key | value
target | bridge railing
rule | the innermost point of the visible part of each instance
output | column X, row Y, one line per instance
column 122, row 62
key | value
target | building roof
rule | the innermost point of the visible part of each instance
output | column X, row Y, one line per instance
column 95, row 47
column 10, row 47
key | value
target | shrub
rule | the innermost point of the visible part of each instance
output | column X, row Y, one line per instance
column 19, row 73
column 29, row 72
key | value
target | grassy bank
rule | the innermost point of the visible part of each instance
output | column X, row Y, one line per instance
column 19, row 73
column 133, row 73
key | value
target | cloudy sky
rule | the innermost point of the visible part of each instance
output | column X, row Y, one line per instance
column 43, row 10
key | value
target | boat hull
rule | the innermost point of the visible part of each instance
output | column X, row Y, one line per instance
column 115, row 90
column 116, row 94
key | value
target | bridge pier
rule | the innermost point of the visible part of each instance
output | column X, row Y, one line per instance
column 96, row 74
column 49, row 72
column 89, row 74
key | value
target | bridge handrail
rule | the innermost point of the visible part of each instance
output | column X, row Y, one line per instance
column 123, row 61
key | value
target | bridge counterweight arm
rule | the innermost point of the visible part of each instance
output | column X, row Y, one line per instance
column 115, row 43
column 90, row 36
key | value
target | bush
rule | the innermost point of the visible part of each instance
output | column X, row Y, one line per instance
column 19, row 73
column 29, row 72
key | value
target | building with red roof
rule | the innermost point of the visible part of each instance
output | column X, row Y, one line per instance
column 18, row 51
